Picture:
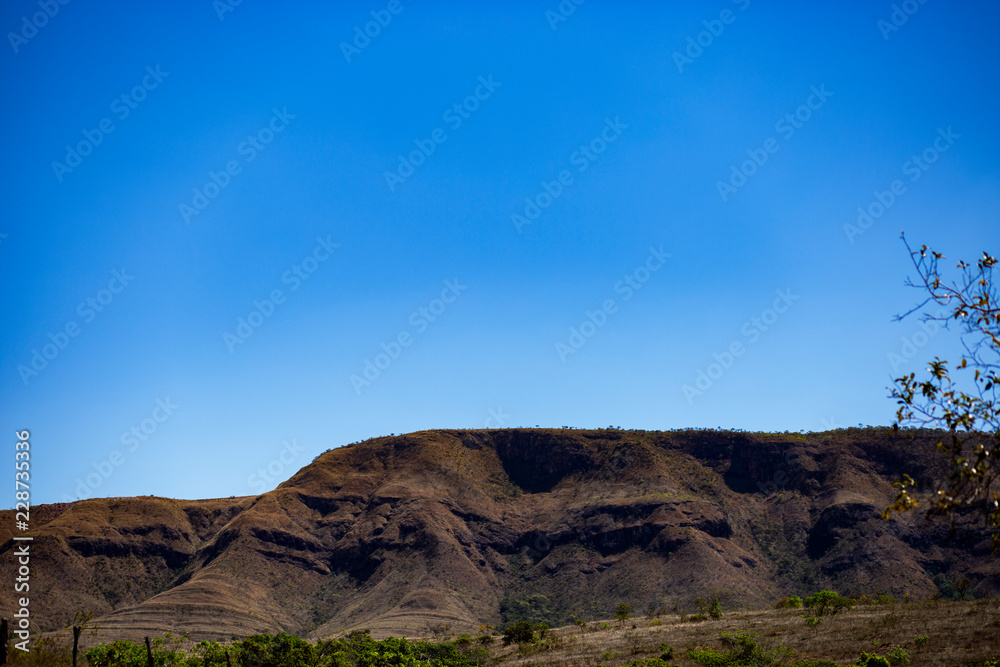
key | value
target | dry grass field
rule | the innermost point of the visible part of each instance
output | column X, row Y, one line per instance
column 959, row 634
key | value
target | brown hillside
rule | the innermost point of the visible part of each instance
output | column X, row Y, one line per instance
column 399, row 534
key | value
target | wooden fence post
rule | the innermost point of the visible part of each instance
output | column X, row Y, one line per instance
column 76, row 642
column 149, row 654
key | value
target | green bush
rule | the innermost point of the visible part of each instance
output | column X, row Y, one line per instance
column 519, row 633
column 715, row 609
column 827, row 602
column 793, row 602
column 744, row 649
column 666, row 652
column 281, row 650
column 133, row 654
column 284, row 650
column 872, row 660
column 210, row 654
column 921, row 640
column 623, row 612
column 898, row 656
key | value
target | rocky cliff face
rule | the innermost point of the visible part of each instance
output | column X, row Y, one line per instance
column 404, row 533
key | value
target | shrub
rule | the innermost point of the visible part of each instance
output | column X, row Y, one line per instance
column 281, row 650
column 898, row 656
column 827, row 602
column 132, row 654
column 813, row 621
column 666, row 652
column 520, row 632
column 485, row 636
column 211, row 654
column 872, row 660
column 744, row 649
column 360, row 649
column 285, row 650
column 793, row 602
column 715, row 609
column 623, row 612
column 921, row 640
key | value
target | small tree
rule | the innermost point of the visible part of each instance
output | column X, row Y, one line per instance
column 827, row 602
column 967, row 410
column 962, row 587
column 623, row 612
column 519, row 633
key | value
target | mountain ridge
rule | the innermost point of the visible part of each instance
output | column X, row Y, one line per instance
column 466, row 527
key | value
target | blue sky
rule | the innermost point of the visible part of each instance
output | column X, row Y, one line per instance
column 501, row 216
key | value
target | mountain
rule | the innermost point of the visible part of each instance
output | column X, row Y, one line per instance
column 464, row 527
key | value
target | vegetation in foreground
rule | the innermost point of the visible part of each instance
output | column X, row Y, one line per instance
column 357, row 649
column 864, row 630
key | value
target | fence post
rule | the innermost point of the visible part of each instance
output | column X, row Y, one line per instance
column 149, row 654
column 76, row 642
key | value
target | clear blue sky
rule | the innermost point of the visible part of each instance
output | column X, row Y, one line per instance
column 250, row 155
